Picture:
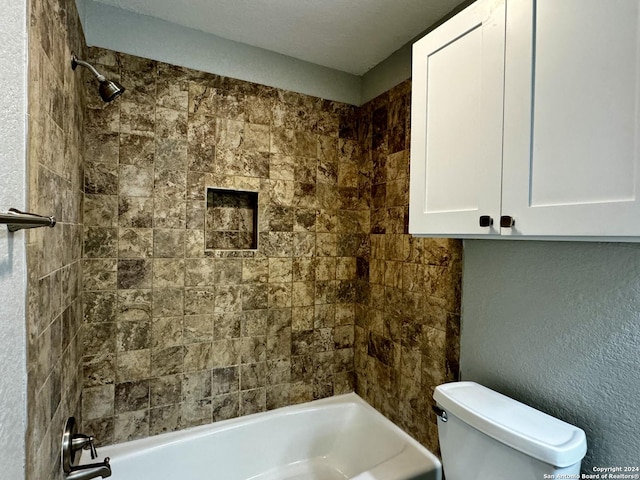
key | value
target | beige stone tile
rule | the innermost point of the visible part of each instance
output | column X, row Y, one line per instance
column 98, row 402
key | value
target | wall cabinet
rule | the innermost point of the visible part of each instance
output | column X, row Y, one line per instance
column 528, row 111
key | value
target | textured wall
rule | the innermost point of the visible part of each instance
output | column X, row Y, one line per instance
column 176, row 336
column 556, row 326
column 407, row 321
column 13, row 274
column 143, row 35
column 55, row 145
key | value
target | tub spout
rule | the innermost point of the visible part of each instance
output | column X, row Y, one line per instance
column 92, row 470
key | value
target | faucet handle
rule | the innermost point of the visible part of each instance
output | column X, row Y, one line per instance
column 85, row 442
column 92, row 447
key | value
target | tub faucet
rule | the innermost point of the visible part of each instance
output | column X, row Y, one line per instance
column 92, row 470
column 72, row 443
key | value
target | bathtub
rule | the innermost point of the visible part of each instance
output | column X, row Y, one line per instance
column 335, row 438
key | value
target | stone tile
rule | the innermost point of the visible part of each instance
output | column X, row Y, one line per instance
column 135, row 212
column 228, row 325
column 135, row 242
column 253, row 401
column 199, row 272
column 136, row 118
column 167, row 361
column 170, row 153
column 198, row 328
column 133, row 365
column 225, row 380
column 198, row 357
column 168, row 272
column 169, row 302
column 100, row 242
column 196, row 386
column 99, row 306
column 133, row 335
column 168, row 243
column 225, row 407
column 136, row 150
column 98, row 402
column 254, row 296
column 130, row 426
column 170, row 123
column 98, row 338
column 228, row 298
column 131, row 396
column 98, row 370
column 135, row 181
column 100, row 210
column 134, row 305
column 256, row 137
column 255, row 164
column 280, row 270
column 100, row 179
column 228, row 271
column 165, row 390
column 164, row 419
column 102, row 148
column 135, row 273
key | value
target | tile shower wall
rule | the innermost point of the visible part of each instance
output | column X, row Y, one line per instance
column 176, row 336
column 408, row 302
column 54, row 309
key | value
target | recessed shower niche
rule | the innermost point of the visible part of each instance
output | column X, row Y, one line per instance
column 231, row 219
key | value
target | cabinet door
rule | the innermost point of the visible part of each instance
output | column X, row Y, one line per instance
column 456, row 123
column 572, row 118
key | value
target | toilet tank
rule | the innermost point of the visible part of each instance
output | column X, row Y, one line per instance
column 490, row 436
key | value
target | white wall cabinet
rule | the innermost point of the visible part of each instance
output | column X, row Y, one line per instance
column 528, row 110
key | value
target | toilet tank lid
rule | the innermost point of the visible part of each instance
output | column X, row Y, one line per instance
column 513, row 423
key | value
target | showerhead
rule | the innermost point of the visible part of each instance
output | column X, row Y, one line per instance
column 109, row 89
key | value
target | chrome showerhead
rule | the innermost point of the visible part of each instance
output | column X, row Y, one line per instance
column 109, row 89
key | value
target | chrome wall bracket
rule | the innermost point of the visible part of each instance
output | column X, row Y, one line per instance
column 16, row 220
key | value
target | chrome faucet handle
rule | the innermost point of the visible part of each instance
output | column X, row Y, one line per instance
column 94, row 452
column 84, row 442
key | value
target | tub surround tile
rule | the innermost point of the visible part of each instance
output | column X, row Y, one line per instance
column 98, row 402
column 133, row 365
column 329, row 302
column 131, row 396
column 130, row 426
column 165, row 419
column 61, row 164
column 402, row 339
column 165, row 390
column 225, row 407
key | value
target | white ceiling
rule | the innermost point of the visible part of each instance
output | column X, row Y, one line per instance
column 348, row 35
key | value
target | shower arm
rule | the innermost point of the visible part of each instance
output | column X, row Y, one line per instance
column 75, row 61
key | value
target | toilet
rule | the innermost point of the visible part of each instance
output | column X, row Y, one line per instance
column 485, row 435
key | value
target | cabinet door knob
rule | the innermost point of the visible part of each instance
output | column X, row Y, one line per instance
column 506, row 221
column 486, row 221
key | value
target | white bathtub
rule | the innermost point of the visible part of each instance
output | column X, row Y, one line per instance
column 331, row 439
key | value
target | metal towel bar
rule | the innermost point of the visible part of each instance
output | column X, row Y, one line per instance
column 17, row 220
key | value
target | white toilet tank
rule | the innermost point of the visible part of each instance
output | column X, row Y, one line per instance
column 488, row 436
